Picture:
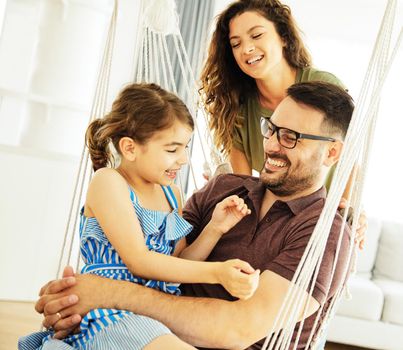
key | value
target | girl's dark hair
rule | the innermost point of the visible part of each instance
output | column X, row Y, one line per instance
column 223, row 82
column 139, row 111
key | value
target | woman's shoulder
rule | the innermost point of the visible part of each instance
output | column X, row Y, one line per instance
column 314, row 74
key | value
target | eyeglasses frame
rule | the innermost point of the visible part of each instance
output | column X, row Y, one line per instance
column 299, row 135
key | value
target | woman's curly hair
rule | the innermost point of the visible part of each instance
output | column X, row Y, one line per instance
column 224, row 87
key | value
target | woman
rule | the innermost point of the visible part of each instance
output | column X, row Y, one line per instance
column 255, row 54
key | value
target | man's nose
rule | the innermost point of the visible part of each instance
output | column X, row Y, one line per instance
column 270, row 143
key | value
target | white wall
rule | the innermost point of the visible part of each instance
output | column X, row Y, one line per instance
column 49, row 57
column 3, row 4
column 341, row 36
column 37, row 173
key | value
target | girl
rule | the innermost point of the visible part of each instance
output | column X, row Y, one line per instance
column 131, row 223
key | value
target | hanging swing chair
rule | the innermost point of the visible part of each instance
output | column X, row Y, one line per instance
column 158, row 32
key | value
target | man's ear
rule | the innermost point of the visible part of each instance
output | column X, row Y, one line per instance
column 128, row 148
column 333, row 153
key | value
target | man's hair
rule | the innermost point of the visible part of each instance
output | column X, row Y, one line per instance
column 333, row 101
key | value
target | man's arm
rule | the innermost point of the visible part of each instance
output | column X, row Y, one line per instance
column 236, row 324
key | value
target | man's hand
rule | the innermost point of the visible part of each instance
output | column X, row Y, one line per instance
column 63, row 302
column 54, row 298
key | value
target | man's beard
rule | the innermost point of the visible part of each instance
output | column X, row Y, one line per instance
column 295, row 180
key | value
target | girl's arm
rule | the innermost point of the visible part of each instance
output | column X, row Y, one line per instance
column 201, row 248
column 108, row 199
column 226, row 215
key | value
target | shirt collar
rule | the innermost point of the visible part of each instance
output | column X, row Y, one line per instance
column 256, row 190
column 297, row 205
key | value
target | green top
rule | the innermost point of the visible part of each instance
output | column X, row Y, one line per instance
column 248, row 139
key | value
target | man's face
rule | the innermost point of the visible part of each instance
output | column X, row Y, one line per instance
column 294, row 171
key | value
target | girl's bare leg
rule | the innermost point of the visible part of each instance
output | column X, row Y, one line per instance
column 168, row 341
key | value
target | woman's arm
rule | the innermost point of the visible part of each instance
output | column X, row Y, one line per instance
column 360, row 235
column 239, row 162
column 346, row 193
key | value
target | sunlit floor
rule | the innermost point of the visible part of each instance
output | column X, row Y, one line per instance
column 334, row 346
column 19, row 318
column 16, row 319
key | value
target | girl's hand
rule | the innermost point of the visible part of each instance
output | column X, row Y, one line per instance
column 228, row 213
column 238, row 278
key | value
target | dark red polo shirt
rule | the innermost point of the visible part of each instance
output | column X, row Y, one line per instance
column 275, row 243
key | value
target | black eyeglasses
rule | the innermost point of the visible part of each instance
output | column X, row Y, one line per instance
column 286, row 137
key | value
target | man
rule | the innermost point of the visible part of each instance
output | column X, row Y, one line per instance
column 303, row 139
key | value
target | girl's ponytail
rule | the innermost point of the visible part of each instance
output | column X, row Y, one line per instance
column 97, row 142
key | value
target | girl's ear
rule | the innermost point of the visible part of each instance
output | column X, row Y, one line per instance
column 128, row 148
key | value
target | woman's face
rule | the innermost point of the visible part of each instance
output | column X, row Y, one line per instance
column 256, row 45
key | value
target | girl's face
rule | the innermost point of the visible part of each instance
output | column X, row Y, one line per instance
column 160, row 159
column 256, row 45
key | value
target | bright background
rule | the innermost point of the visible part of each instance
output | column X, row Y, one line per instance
column 47, row 80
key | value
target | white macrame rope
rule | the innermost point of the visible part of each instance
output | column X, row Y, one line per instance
column 156, row 61
column 196, row 100
column 99, row 111
column 368, row 146
column 216, row 156
column 165, row 61
column 188, row 87
column 138, row 61
column 191, row 169
column 333, row 199
column 185, row 69
column 164, row 69
column 170, row 69
column 96, row 111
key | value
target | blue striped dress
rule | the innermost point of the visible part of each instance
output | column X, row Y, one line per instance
column 111, row 328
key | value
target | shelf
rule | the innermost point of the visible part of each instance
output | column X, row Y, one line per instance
column 43, row 99
column 27, row 151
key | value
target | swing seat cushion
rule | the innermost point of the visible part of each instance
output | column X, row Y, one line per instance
column 366, row 302
column 393, row 303
column 373, row 317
